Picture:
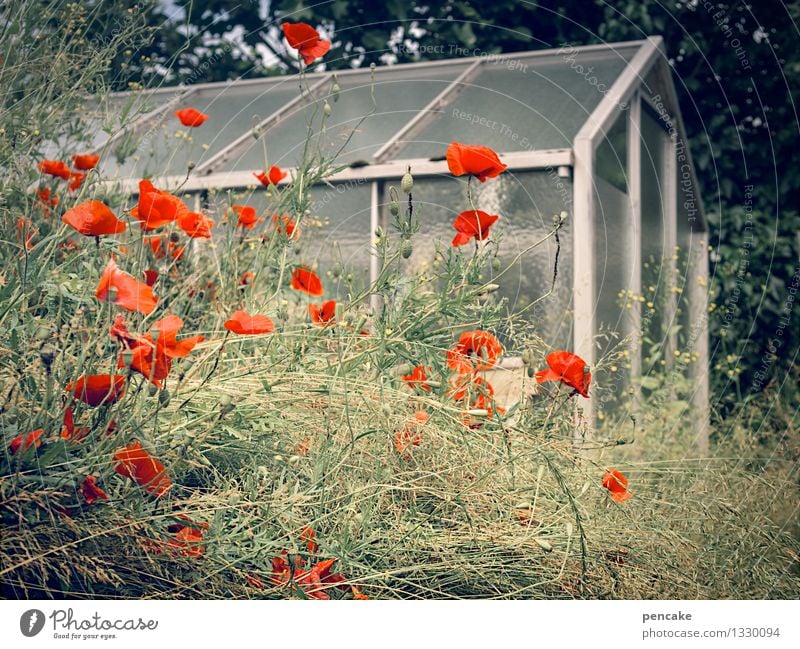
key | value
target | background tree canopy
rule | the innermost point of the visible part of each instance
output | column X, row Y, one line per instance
column 736, row 68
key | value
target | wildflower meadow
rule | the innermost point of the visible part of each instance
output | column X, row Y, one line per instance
column 196, row 405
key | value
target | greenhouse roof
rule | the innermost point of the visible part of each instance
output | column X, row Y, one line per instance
column 530, row 106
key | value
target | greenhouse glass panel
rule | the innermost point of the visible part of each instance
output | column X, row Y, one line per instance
column 614, row 246
column 526, row 203
column 655, row 267
column 335, row 235
column 520, row 104
column 100, row 118
column 166, row 146
column 399, row 96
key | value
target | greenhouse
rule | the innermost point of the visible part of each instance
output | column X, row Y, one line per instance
column 591, row 133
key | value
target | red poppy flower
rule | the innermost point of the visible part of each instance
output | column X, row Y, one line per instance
column 475, row 350
column 76, row 179
column 197, row 226
column 25, row 232
column 150, row 277
column 475, row 160
column 55, row 168
column 156, row 207
column 417, row 378
column 119, row 330
column 478, row 394
column 71, row 432
column 285, row 225
column 303, row 447
column 47, row 199
column 168, row 337
column 357, row 594
column 160, row 249
column 246, row 278
column 569, row 369
column 305, row 39
column 254, row 580
column 410, row 435
column 153, row 360
column 191, row 117
column 98, row 389
column 90, row 491
column 617, row 485
column 481, row 392
column 188, row 538
column 243, row 323
column 93, row 219
column 314, row 582
column 308, row 535
column 306, row 280
column 282, row 568
column 130, row 294
column 85, row 161
column 271, row 177
column 25, row 441
column 472, row 223
column 323, row 314
column 137, row 464
column 247, row 216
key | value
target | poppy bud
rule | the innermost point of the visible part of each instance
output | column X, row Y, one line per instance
column 152, row 390
column 326, row 108
column 495, row 264
column 407, row 182
column 164, row 397
column 335, row 89
column 127, row 357
column 255, row 132
column 154, row 333
column 531, row 372
column 191, row 165
column 379, row 232
column 278, row 458
column 225, row 400
column 394, row 208
column 294, row 459
column 527, row 357
column 406, row 248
